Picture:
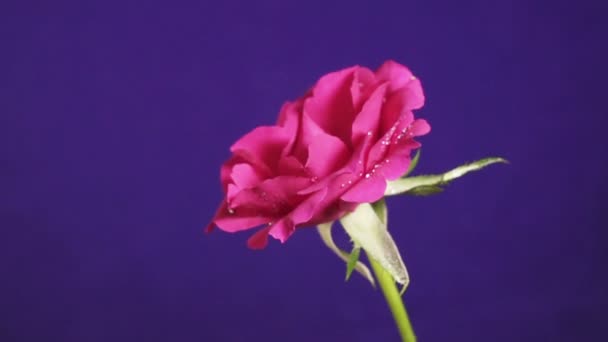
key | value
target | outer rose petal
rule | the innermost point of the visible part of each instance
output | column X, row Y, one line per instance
column 399, row 159
column 259, row 240
column 282, row 229
column 368, row 189
column 399, row 76
column 233, row 223
column 420, row 127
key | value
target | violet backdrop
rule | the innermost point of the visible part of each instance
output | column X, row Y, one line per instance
column 115, row 119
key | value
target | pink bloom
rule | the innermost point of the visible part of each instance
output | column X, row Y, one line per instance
column 330, row 150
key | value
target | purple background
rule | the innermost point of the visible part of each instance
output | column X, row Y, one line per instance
column 114, row 120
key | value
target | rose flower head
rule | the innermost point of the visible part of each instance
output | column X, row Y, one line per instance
column 329, row 151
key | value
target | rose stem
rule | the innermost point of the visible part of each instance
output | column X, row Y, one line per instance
column 393, row 298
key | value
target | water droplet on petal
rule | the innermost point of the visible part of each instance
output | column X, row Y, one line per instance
column 369, row 133
column 314, row 179
column 367, row 175
column 230, row 211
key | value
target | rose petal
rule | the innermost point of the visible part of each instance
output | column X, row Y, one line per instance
column 263, row 146
column 289, row 118
column 259, row 240
column 381, row 148
column 330, row 105
column 399, row 159
column 368, row 189
column 244, row 176
column 420, row 127
column 400, row 77
column 238, row 220
column 308, row 131
column 367, row 121
column 309, row 207
column 282, row 229
column 271, row 197
column 363, row 84
column 326, row 153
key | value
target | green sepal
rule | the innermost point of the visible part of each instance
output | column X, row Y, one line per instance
column 368, row 230
column 425, row 190
column 413, row 163
column 408, row 184
column 324, row 230
column 352, row 261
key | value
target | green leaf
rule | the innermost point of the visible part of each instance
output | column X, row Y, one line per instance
column 352, row 261
column 369, row 231
column 325, row 232
column 413, row 163
column 405, row 185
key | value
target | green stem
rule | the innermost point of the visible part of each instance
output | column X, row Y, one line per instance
column 393, row 298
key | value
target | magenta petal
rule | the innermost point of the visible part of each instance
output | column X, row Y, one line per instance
column 367, row 121
column 309, row 207
column 420, row 127
column 259, row 240
column 366, row 190
column 363, row 84
column 264, row 145
column 326, row 153
column 399, row 159
column 396, row 74
column 330, row 104
column 244, row 176
column 400, row 78
column 282, row 229
column 272, row 196
column 238, row 221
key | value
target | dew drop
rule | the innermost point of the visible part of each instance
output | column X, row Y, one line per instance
column 342, row 185
column 230, row 211
column 350, row 182
column 360, row 174
column 367, row 175
column 314, row 179
column 369, row 133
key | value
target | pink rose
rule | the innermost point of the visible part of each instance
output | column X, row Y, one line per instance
column 330, row 150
